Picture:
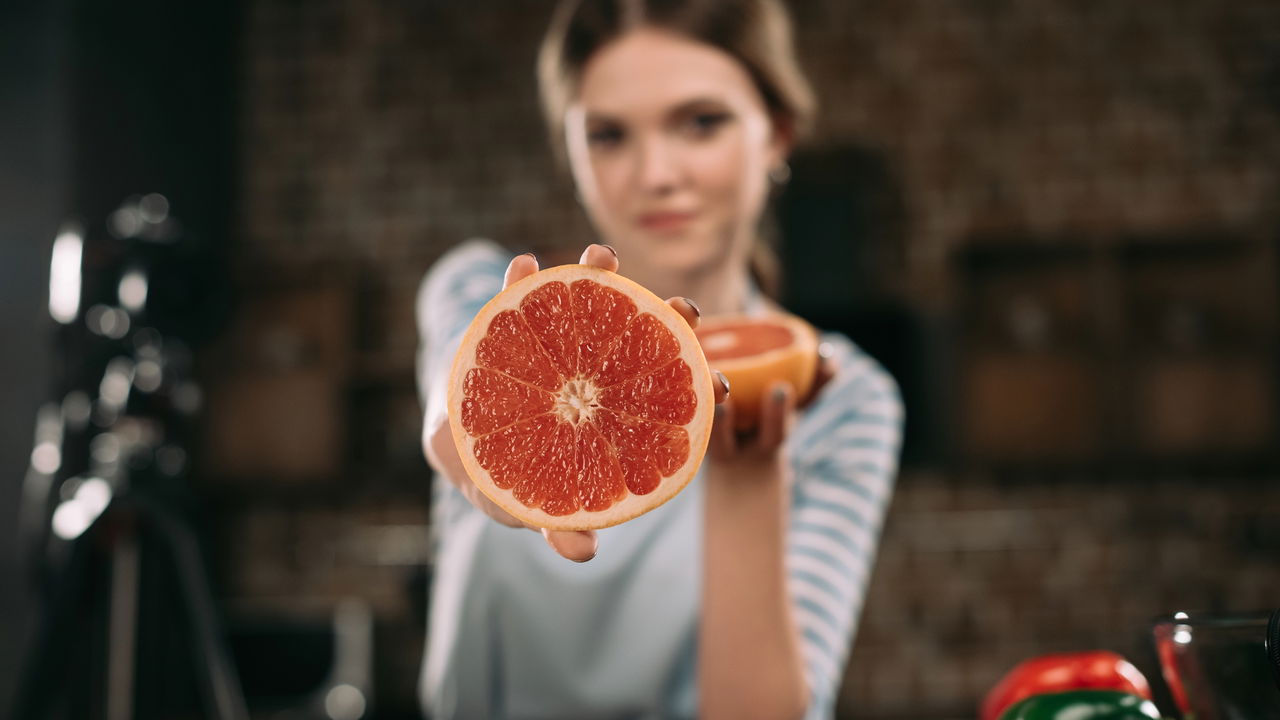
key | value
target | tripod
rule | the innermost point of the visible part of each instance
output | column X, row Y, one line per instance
column 122, row 575
column 116, row 540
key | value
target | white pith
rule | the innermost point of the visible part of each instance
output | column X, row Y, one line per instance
column 576, row 402
column 720, row 341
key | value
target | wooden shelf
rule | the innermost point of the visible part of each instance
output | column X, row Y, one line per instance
column 1141, row 351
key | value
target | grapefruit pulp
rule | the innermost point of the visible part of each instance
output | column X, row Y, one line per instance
column 579, row 400
column 754, row 351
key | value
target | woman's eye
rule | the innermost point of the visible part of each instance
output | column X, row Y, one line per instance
column 705, row 124
column 604, row 137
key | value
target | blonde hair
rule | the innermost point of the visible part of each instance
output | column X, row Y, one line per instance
column 757, row 33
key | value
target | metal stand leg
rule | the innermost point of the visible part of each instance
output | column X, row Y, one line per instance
column 127, row 525
column 122, row 633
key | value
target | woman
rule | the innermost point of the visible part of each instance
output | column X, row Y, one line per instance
column 738, row 598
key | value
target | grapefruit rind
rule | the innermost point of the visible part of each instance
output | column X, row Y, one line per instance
column 632, row 505
column 750, row 376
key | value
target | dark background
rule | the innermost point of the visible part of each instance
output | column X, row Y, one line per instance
column 1055, row 223
column 33, row 199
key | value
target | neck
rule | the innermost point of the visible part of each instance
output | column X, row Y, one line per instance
column 719, row 291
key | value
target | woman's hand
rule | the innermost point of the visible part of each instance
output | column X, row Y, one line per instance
column 442, row 453
column 761, row 448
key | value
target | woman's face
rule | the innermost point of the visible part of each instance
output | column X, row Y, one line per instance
column 670, row 144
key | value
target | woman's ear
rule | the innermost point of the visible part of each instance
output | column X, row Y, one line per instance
column 781, row 140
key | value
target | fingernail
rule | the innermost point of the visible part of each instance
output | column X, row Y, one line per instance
column 535, row 257
column 609, row 248
column 723, row 381
column 696, row 310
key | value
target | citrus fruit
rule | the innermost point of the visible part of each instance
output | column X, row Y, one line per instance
column 754, row 351
column 579, row 400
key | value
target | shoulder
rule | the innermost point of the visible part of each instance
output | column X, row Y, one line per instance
column 470, row 270
column 860, row 382
column 470, row 252
column 477, row 257
column 859, row 409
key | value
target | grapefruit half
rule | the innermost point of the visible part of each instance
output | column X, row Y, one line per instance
column 579, row 400
column 754, row 351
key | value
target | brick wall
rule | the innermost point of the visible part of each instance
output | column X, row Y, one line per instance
column 376, row 134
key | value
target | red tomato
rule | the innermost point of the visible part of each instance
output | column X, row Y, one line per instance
column 1090, row 670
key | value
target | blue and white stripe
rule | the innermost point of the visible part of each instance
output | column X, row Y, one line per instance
column 845, row 456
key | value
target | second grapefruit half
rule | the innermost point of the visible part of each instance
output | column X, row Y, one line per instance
column 579, row 400
column 755, row 351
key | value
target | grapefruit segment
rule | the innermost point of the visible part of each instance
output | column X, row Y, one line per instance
column 600, row 316
column 551, row 484
column 600, row 476
column 493, row 400
column 647, row 451
column 546, row 311
column 506, row 349
column 643, row 346
column 579, row 400
column 755, row 351
column 504, row 453
column 665, row 395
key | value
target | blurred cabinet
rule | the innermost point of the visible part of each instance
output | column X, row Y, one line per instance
column 1206, row 407
column 1031, row 366
column 276, row 407
column 1026, row 407
column 1200, row 350
column 311, row 389
column 1147, row 352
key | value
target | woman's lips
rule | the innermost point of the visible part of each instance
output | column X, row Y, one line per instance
column 665, row 220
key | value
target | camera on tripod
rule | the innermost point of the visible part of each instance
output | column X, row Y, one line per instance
column 104, row 520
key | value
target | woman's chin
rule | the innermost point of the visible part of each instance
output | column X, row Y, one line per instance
column 679, row 254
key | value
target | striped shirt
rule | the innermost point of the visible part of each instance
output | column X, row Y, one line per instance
column 518, row 632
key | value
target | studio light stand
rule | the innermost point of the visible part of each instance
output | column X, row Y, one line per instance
column 130, row 627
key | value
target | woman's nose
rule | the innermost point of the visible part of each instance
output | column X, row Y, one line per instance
column 658, row 166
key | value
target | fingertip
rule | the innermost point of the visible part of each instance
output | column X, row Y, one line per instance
column 826, row 359
column 688, row 310
column 723, row 440
column 777, row 409
column 521, row 267
column 781, row 395
column 577, row 545
column 720, row 387
column 697, row 310
column 601, row 256
column 592, row 546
